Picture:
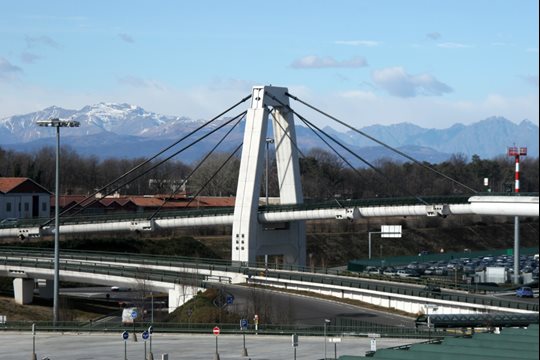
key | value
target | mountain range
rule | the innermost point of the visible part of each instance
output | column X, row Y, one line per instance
column 128, row 131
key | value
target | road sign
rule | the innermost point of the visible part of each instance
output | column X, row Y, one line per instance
column 150, row 330
column 334, row 339
column 372, row 335
column 243, row 324
column 373, row 345
column 391, row 231
column 229, row 299
column 216, row 330
column 125, row 335
column 145, row 335
column 134, row 314
column 294, row 340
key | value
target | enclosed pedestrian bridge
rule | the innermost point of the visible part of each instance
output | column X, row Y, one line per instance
column 489, row 204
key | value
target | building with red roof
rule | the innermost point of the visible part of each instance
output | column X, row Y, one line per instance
column 23, row 198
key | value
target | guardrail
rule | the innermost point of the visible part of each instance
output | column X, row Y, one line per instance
column 114, row 267
column 396, row 289
column 338, row 329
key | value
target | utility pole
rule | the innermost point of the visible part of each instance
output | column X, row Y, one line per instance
column 516, row 152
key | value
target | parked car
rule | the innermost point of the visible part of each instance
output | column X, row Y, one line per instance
column 406, row 273
column 524, row 291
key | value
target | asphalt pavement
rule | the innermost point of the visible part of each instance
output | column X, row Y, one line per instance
column 92, row 346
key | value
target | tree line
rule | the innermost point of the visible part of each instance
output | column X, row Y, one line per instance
column 324, row 175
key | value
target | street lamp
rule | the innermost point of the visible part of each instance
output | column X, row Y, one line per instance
column 326, row 322
column 57, row 123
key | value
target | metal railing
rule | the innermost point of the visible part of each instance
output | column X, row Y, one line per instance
column 114, row 264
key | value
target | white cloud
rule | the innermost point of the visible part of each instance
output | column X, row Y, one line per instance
column 356, row 107
column 35, row 41
column 317, row 62
column 397, row 82
column 427, row 112
column 358, row 95
column 134, row 81
column 434, row 35
column 452, row 45
column 8, row 71
column 126, row 37
column 368, row 43
column 29, row 58
column 533, row 50
column 531, row 80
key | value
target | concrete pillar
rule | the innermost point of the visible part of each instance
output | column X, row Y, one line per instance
column 180, row 295
column 24, row 290
column 46, row 289
column 250, row 238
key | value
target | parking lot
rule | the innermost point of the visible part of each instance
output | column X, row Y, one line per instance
column 463, row 270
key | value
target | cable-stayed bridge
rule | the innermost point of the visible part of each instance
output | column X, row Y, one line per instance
column 280, row 229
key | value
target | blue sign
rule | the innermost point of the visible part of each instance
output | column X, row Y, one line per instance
column 134, row 314
column 125, row 335
column 243, row 324
column 145, row 335
column 229, row 299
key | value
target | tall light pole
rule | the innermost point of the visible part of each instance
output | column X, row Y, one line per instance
column 57, row 123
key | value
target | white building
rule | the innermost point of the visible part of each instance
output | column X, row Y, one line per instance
column 23, row 198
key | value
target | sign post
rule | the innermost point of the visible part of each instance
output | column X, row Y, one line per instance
column 335, row 340
column 387, row 231
column 125, row 336
column 294, row 344
column 373, row 344
column 133, row 316
column 34, row 342
column 150, row 332
column 216, row 332
column 243, row 327
column 145, row 335
column 256, row 321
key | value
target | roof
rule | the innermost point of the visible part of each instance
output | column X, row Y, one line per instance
column 20, row 185
column 511, row 343
column 176, row 202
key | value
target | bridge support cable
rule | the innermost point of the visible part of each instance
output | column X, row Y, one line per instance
column 383, row 144
column 312, row 127
column 92, row 195
column 163, row 161
column 195, row 169
column 214, row 174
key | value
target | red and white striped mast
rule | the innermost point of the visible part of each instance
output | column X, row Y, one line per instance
column 516, row 152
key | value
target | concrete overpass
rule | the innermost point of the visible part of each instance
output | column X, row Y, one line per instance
column 182, row 278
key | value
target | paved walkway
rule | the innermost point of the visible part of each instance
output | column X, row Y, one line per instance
column 18, row 346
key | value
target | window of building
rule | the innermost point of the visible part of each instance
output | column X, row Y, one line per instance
column 8, row 207
column 26, row 207
column 43, row 206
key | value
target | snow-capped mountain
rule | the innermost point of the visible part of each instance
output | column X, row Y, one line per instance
column 123, row 130
column 121, row 119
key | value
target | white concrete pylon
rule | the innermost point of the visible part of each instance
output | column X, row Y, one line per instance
column 250, row 238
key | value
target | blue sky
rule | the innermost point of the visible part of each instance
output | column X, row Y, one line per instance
column 431, row 63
